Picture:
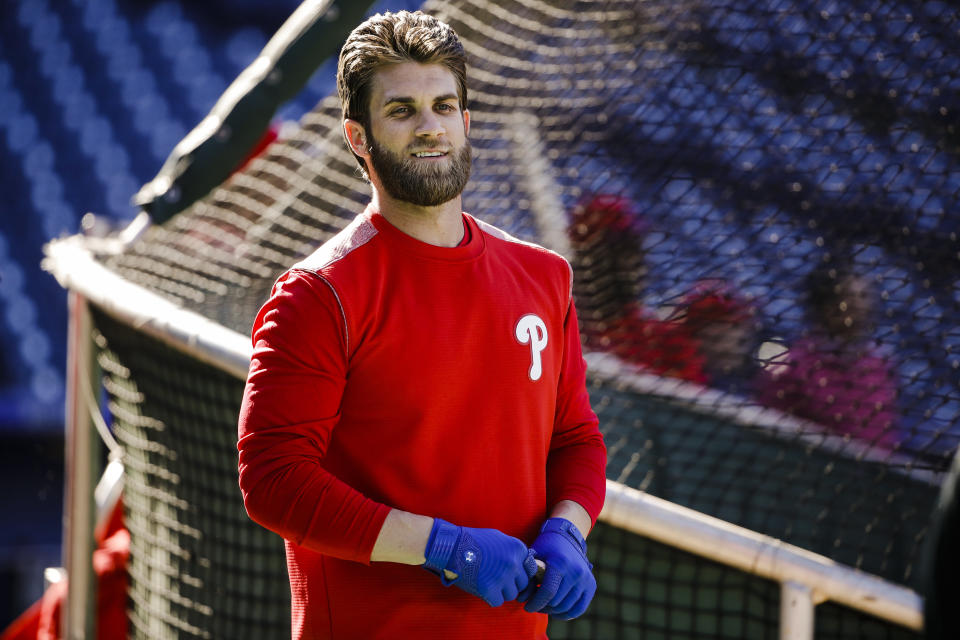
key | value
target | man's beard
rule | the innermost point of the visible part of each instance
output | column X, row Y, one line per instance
column 427, row 185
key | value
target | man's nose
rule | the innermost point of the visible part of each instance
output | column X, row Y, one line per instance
column 429, row 125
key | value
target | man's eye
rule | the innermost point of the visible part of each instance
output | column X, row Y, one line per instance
column 443, row 106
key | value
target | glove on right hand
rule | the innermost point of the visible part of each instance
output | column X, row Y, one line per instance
column 488, row 563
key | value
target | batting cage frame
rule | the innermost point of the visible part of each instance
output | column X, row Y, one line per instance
column 678, row 140
column 805, row 579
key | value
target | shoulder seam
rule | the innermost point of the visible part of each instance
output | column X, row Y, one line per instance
column 343, row 312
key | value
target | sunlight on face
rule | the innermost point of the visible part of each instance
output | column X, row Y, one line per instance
column 418, row 147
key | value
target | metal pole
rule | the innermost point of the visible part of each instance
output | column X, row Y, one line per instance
column 81, row 462
column 796, row 611
column 760, row 555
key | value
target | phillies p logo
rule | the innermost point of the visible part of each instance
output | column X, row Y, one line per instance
column 532, row 330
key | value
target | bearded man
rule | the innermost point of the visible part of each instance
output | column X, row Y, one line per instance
column 415, row 416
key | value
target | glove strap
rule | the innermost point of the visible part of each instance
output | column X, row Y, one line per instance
column 440, row 545
column 568, row 530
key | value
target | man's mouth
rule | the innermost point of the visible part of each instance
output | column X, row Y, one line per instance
column 428, row 154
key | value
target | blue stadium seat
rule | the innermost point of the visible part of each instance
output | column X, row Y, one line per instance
column 83, row 83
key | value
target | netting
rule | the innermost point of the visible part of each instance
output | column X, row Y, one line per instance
column 759, row 200
column 198, row 567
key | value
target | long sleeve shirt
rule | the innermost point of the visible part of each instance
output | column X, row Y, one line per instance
column 447, row 382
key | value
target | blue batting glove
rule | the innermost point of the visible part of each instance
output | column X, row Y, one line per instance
column 488, row 563
column 568, row 584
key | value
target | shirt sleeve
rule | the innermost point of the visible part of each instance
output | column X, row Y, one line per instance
column 290, row 407
column 576, row 466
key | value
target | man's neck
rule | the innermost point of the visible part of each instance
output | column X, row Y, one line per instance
column 441, row 226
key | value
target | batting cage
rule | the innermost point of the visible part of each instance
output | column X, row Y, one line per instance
column 759, row 199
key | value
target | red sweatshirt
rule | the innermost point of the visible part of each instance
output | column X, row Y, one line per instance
column 447, row 382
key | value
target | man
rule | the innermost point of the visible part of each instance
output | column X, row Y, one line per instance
column 835, row 373
column 607, row 235
column 417, row 391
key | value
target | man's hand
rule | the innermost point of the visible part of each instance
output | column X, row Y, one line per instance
column 568, row 584
column 486, row 562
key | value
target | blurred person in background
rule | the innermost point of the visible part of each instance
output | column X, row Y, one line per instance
column 724, row 326
column 44, row 620
column 609, row 263
column 835, row 374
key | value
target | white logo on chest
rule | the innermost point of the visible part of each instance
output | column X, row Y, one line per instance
column 532, row 330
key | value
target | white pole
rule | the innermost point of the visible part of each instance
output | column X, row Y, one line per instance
column 796, row 611
column 80, row 468
column 77, row 270
column 536, row 174
column 758, row 554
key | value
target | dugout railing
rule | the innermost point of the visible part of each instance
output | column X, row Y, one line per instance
column 805, row 579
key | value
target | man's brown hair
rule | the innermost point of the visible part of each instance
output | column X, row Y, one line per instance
column 388, row 38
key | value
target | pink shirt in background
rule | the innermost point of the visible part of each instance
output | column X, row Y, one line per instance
column 849, row 388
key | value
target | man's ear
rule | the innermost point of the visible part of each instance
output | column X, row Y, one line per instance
column 466, row 122
column 356, row 137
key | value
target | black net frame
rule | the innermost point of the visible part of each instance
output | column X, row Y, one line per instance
column 753, row 142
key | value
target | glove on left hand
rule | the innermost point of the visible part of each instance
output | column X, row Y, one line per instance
column 568, row 584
